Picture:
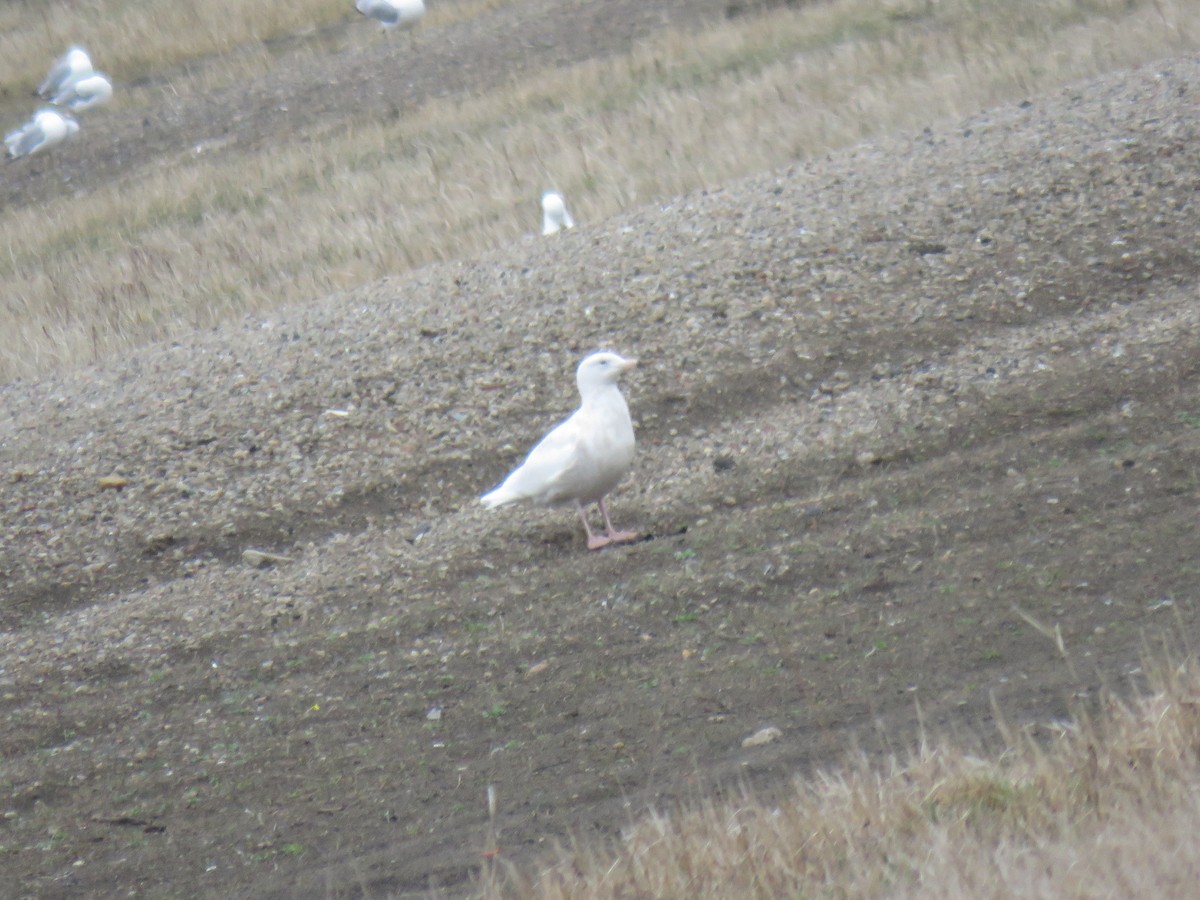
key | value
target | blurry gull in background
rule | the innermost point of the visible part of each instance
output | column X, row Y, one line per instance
column 74, row 65
column 48, row 128
column 84, row 93
column 392, row 13
column 554, row 213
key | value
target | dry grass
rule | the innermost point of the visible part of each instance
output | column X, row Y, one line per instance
column 221, row 234
column 136, row 38
column 144, row 36
column 1107, row 806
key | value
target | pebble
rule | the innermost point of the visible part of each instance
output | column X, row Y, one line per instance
column 763, row 736
column 261, row 559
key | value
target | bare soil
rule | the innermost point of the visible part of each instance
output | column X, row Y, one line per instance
column 895, row 407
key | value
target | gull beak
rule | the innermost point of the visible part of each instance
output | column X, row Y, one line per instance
column 628, row 364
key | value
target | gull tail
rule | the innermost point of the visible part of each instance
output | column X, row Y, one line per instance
column 499, row 497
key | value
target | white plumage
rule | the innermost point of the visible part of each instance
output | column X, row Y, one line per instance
column 554, row 213
column 48, row 128
column 84, row 93
column 73, row 65
column 392, row 13
column 583, row 458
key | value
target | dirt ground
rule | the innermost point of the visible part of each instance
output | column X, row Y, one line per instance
column 919, row 440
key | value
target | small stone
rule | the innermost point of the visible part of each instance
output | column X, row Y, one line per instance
column 723, row 463
column 537, row 669
column 113, row 482
column 763, row 736
column 260, row 559
column 925, row 248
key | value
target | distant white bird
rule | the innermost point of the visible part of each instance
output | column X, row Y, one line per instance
column 392, row 13
column 84, row 93
column 48, row 128
column 583, row 458
column 74, row 64
column 554, row 213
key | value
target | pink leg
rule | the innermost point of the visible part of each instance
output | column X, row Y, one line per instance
column 595, row 541
column 615, row 537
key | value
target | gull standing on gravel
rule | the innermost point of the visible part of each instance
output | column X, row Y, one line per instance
column 48, row 128
column 392, row 13
column 73, row 65
column 583, row 458
column 554, row 213
column 84, row 93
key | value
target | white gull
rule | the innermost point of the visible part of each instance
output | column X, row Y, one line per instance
column 48, row 128
column 554, row 213
column 73, row 65
column 392, row 13
column 584, row 457
column 84, row 93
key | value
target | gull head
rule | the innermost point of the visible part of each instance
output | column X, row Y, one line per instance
column 599, row 370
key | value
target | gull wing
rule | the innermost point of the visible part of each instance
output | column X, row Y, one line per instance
column 549, row 471
column 549, row 463
column 57, row 77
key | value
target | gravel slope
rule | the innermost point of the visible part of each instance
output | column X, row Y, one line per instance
column 1067, row 206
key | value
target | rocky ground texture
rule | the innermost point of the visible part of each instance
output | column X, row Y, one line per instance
column 918, row 424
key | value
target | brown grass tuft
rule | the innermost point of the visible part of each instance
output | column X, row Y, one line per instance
column 1107, row 805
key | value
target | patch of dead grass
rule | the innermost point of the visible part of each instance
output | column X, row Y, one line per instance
column 135, row 38
column 1106, row 806
column 130, row 38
